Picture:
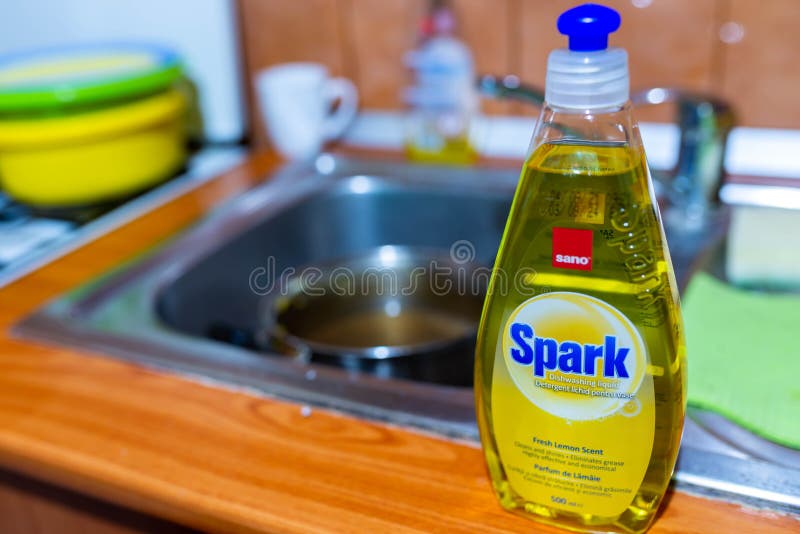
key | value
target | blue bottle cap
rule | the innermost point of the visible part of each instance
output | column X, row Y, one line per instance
column 588, row 26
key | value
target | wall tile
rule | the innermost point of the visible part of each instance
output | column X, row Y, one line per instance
column 669, row 42
column 760, row 73
column 383, row 31
column 277, row 31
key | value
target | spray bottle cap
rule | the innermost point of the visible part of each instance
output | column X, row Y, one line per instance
column 588, row 26
column 588, row 75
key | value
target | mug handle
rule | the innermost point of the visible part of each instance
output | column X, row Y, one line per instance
column 345, row 92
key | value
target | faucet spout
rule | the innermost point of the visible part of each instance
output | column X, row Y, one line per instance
column 510, row 88
column 704, row 121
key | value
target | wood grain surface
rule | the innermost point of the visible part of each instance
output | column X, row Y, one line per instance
column 230, row 461
column 30, row 506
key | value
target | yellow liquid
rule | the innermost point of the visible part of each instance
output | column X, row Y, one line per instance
column 604, row 188
column 454, row 151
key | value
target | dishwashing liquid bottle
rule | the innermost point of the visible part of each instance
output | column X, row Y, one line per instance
column 443, row 102
column 580, row 365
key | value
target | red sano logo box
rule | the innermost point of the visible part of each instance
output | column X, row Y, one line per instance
column 572, row 249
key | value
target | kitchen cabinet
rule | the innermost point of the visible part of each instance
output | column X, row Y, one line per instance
column 28, row 506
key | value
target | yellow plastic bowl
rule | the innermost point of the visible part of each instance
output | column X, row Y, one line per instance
column 95, row 156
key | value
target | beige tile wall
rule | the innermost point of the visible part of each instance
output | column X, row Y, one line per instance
column 760, row 65
column 745, row 50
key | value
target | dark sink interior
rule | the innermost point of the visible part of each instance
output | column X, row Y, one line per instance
column 224, row 294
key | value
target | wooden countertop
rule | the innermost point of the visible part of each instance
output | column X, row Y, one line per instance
column 222, row 460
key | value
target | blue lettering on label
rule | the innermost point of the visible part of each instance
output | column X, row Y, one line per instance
column 519, row 332
column 547, row 354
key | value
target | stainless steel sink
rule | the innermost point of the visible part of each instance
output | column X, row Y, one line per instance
column 161, row 310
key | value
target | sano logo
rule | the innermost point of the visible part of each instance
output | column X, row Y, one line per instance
column 572, row 248
column 574, row 356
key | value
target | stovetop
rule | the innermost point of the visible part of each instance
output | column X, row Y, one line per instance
column 31, row 238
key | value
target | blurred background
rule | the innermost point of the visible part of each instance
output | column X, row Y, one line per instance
column 112, row 109
column 741, row 50
column 738, row 49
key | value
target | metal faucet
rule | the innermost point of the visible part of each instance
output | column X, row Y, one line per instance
column 692, row 187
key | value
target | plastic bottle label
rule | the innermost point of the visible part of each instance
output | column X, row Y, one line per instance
column 573, row 405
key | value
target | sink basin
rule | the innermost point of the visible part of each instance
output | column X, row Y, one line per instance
column 336, row 219
column 162, row 310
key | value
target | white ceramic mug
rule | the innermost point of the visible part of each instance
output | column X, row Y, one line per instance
column 296, row 101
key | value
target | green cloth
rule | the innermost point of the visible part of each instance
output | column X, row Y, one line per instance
column 743, row 350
